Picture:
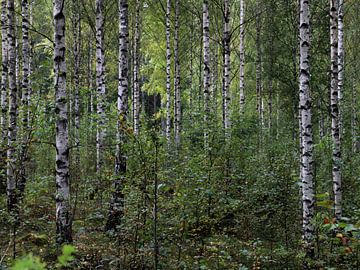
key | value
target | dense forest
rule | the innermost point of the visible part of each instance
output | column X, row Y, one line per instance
column 180, row 134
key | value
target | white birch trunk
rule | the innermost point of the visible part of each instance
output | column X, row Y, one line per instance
column 242, row 56
column 341, row 60
column 63, row 215
column 136, row 85
column 168, row 79
column 177, row 90
column 206, row 76
column 116, row 203
column 308, row 201
column 77, row 59
column 12, row 127
column 226, row 69
column 334, row 96
column 100, row 84
column 4, row 72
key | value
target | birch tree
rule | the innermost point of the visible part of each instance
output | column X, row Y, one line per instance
column 4, row 71
column 334, row 94
column 76, row 50
column 226, row 68
column 136, row 78
column 177, row 93
column 168, row 79
column 242, row 55
column 307, row 174
column 63, row 215
column 259, row 97
column 206, row 76
column 116, row 203
column 12, row 127
column 100, row 84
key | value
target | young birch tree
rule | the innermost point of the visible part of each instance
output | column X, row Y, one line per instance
column 242, row 55
column 177, row 90
column 226, row 68
column 100, row 84
column 63, row 215
column 136, row 78
column 206, row 76
column 334, row 98
column 168, row 79
column 116, row 203
column 307, row 174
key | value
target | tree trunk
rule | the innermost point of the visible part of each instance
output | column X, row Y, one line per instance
column 168, row 79
column 242, row 56
column 259, row 97
column 308, row 201
column 226, row 69
column 12, row 128
column 4, row 72
column 63, row 215
column 77, row 59
column 136, row 85
column 24, row 93
column 177, row 90
column 206, row 76
column 116, row 203
column 334, row 93
column 100, row 85
column 341, row 59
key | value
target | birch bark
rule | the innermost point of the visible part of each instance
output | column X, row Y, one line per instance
column 334, row 99
column 226, row 69
column 206, row 76
column 168, row 79
column 63, row 215
column 308, row 201
column 100, row 84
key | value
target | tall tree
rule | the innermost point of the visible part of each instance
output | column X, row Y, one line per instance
column 4, row 71
column 259, row 94
column 12, row 127
column 168, row 79
column 242, row 55
column 226, row 68
column 136, row 78
column 307, row 174
column 177, row 90
column 25, row 91
column 116, row 202
column 63, row 214
column 206, row 76
column 76, row 49
column 334, row 93
column 100, row 84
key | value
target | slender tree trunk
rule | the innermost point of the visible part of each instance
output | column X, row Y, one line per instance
column 214, row 79
column 308, row 200
column 242, row 56
column 177, row 90
column 259, row 98
column 12, row 128
column 206, row 76
column 25, row 92
column 116, row 203
column 354, row 120
column 226, row 69
column 31, row 51
column 63, row 215
column 335, row 129
column 4, row 71
column 77, row 59
column 168, row 79
column 100, row 85
column 341, row 59
column 136, row 85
